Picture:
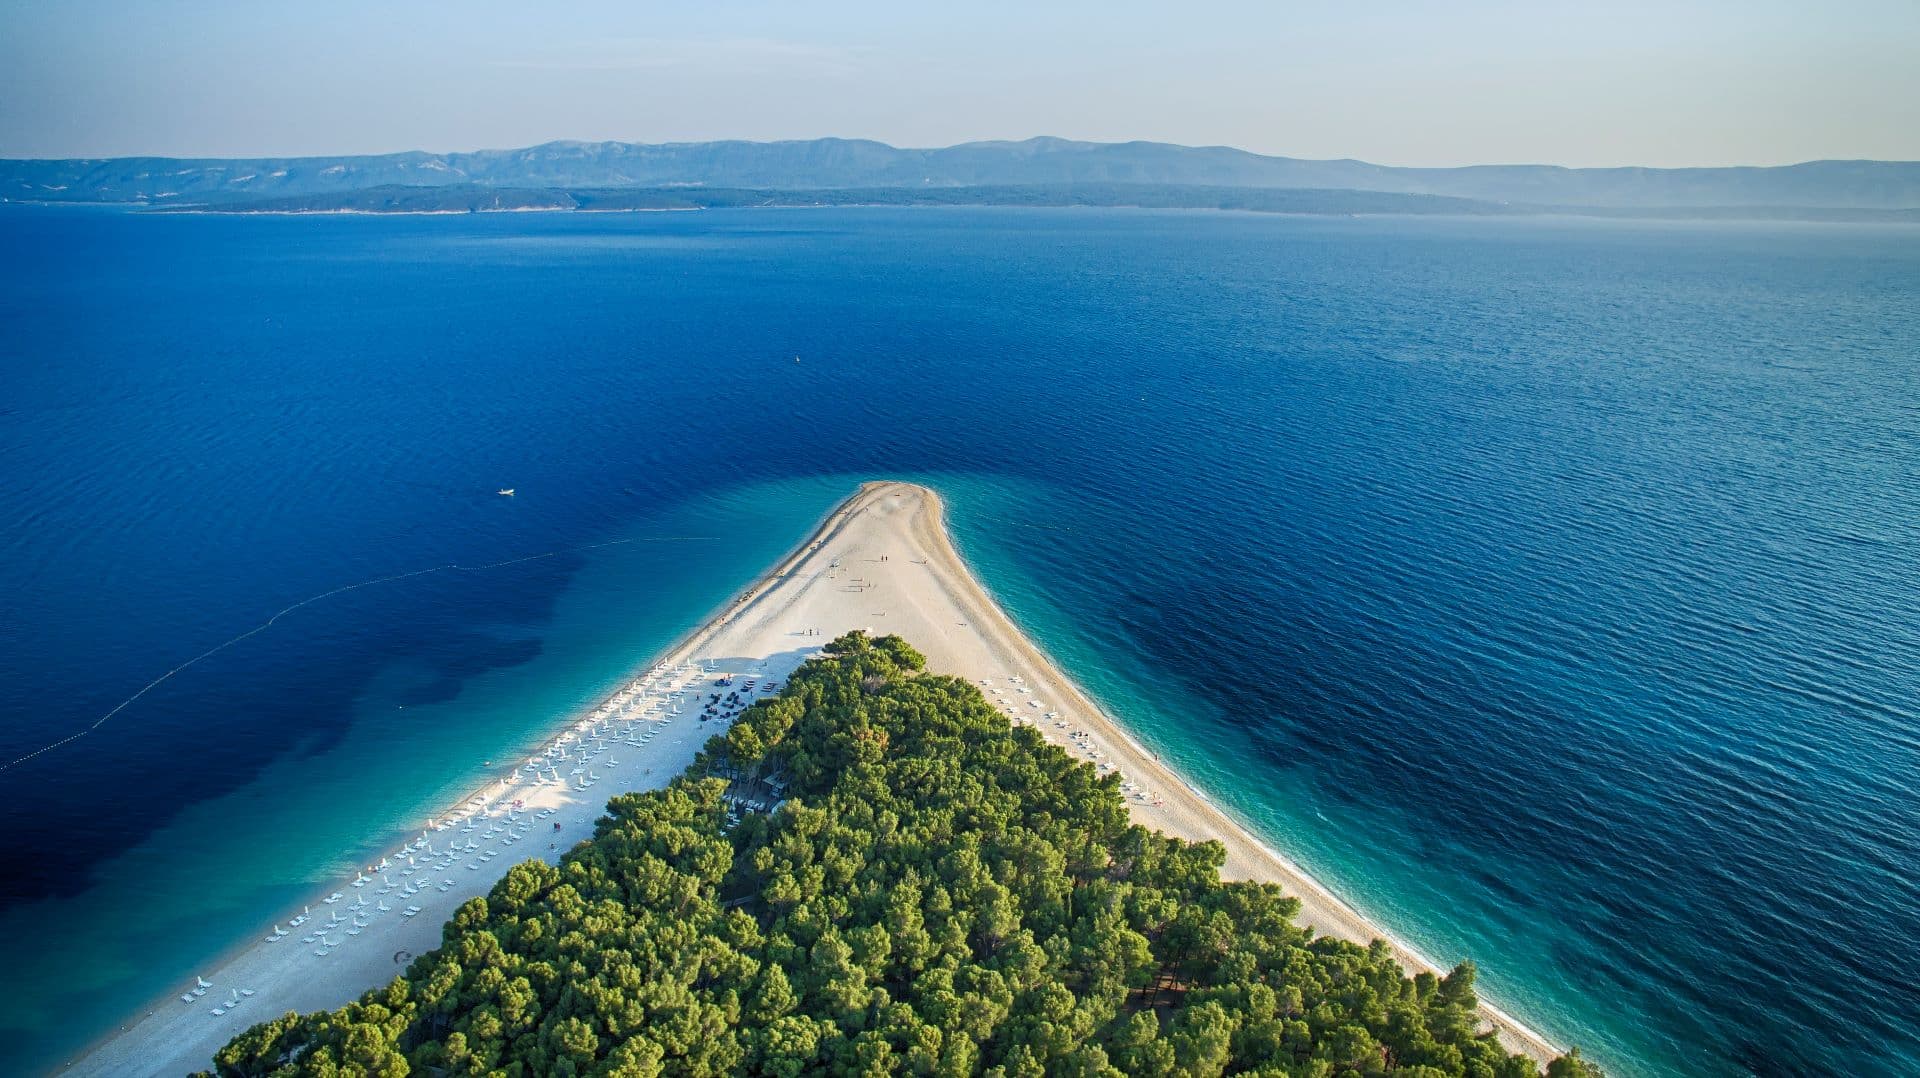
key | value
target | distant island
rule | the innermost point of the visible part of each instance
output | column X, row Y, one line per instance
column 615, row 176
column 472, row 198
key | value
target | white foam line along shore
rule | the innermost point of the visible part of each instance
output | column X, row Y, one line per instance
column 882, row 561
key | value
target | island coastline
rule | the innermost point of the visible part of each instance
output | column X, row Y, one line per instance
column 895, row 535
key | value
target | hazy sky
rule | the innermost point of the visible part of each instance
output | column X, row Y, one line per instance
column 1403, row 82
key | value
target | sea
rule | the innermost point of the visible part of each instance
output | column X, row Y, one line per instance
column 1550, row 588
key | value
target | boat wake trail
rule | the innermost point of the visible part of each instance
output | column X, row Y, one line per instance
column 310, row 600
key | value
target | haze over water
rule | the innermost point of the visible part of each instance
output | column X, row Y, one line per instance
column 1545, row 587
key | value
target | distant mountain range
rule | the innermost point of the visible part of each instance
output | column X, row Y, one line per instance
column 473, row 198
column 1040, row 164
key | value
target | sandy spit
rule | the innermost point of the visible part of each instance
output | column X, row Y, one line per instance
column 882, row 561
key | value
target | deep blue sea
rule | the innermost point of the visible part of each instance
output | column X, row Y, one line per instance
column 1550, row 588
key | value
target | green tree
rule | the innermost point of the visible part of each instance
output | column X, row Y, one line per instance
column 941, row 894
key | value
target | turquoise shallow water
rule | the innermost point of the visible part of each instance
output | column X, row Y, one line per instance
column 1545, row 587
column 414, row 741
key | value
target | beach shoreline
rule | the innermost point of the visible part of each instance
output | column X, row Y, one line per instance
column 771, row 624
column 1321, row 908
column 392, row 840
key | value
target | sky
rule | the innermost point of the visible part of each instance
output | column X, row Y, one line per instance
column 1397, row 82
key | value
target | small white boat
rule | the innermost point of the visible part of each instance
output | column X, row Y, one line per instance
column 505, row 492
